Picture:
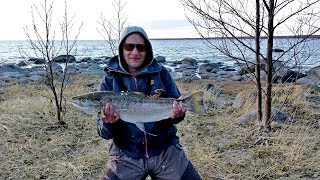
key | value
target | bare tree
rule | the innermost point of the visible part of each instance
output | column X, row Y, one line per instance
column 111, row 29
column 257, row 61
column 238, row 26
column 45, row 46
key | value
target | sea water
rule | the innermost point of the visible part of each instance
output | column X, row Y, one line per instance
column 178, row 49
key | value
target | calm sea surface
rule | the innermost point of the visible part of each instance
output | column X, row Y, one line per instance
column 175, row 50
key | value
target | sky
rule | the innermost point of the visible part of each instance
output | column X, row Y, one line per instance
column 159, row 18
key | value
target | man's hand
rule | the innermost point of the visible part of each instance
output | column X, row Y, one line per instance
column 178, row 110
column 110, row 114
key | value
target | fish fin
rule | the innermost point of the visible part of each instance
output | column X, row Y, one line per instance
column 139, row 93
column 196, row 102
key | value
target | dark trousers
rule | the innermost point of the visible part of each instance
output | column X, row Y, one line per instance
column 171, row 164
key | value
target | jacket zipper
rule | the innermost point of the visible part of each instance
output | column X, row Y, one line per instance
column 146, row 145
column 145, row 134
column 136, row 82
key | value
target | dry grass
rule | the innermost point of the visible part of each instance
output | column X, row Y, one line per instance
column 34, row 147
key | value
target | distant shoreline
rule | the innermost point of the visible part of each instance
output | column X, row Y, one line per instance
column 244, row 37
column 199, row 38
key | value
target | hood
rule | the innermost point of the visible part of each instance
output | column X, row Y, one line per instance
column 124, row 34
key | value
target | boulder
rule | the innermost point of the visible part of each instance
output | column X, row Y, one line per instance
column 22, row 63
column 210, row 87
column 189, row 61
column 160, row 59
column 285, row 75
column 309, row 80
column 277, row 116
column 37, row 60
column 244, row 97
column 314, row 72
column 64, row 58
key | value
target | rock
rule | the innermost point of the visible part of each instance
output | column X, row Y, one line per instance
column 228, row 68
column 311, row 97
column 176, row 75
column 179, row 69
column 309, row 80
column 85, row 59
column 208, row 67
column 64, row 58
column 35, row 77
column 191, row 67
column 13, row 71
column 285, row 75
column 3, row 84
column 190, row 72
column 215, row 70
column 206, row 75
column 222, row 72
column 245, row 68
column 189, row 78
column 176, row 62
column 236, row 78
column 252, row 76
column 249, row 117
column 189, row 61
column 37, row 60
column 12, row 75
column 73, row 70
column 160, row 59
column 211, row 88
column 10, row 68
column 244, row 97
column 277, row 116
column 57, row 68
column 314, row 72
column 37, row 70
column 22, row 63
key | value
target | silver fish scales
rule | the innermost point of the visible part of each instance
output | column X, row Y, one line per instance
column 136, row 108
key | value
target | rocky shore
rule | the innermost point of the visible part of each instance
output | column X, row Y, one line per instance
column 187, row 69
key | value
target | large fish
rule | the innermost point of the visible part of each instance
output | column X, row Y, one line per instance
column 134, row 108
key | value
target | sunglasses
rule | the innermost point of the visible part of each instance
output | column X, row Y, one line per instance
column 130, row 47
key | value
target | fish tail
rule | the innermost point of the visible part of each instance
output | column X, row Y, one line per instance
column 195, row 103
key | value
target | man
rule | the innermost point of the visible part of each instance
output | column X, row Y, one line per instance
column 135, row 154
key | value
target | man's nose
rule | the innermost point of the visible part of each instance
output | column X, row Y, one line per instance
column 135, row 51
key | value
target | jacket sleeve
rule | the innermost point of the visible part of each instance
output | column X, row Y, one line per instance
column 172, row 121
column 107, row 130
column 172, row 91
column 106, row 84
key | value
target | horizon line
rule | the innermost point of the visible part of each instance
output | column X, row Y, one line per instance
column 240, row 37
column 197, row 38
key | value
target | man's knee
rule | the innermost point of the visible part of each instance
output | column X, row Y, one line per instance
column 190, row 173
column 109, row 175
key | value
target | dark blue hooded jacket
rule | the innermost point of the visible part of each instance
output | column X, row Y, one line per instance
column 154, row 80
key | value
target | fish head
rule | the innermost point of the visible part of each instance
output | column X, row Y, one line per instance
column 89, row 103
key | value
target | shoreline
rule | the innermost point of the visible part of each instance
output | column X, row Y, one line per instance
column 187, row 70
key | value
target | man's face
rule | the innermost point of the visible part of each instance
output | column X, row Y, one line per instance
column 134, row 52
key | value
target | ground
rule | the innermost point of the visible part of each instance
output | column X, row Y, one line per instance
column 33, row 146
